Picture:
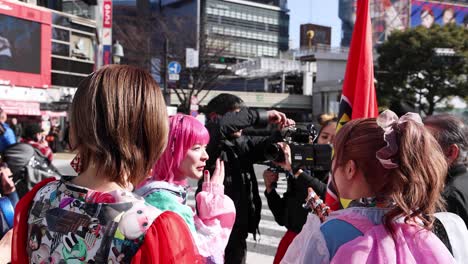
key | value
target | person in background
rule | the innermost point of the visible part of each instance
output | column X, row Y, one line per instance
column 452, row 135
column 227, row 117
column 17, row 128
column 7, row 136
column 185, row 158
column 7, row 185
column 53, row 138
column 65, row 140
column 393, row 170
column 119, row 128
column 288, row 210
column 33, row 135
column 323, row 118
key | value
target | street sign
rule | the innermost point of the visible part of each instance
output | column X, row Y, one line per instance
column 173, row 77
column 174, row 67
column 191, row 58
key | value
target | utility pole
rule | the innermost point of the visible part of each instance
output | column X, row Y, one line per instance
column 165, row 77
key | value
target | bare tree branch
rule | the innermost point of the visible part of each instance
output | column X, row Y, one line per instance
column 143, row 37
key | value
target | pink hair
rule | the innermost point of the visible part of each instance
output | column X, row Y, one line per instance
column 184, row 132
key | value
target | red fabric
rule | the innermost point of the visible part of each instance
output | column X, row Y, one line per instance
column 284, row 245
column 331, row 198
column 359, row 97
column 20, row 228
column 358, row 86
column 76, row 163
column 43, row 148
column 168, row 241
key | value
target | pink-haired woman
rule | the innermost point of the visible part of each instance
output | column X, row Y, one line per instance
column 185, row 157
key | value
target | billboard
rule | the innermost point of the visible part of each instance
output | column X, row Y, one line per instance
column 386, row 16
column 321, row 35
column 25, row 45
column 426, row 13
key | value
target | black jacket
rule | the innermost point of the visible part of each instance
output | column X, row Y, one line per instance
column 288, row 210
column 456, row 191
column 239, row 155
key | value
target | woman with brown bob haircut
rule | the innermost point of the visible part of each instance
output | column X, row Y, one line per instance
column 392, row 170
column 119, row 128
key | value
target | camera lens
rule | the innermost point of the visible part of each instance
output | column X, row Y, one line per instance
column 274, row 152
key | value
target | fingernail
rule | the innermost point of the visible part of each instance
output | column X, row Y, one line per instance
column 206, row 172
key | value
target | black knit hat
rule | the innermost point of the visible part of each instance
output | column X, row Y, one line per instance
column 31, row 130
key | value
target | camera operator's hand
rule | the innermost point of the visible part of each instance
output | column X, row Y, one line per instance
column 218, row 174
column 275, row 117
column 289, row 123
column 287, row 156
column 270, row 177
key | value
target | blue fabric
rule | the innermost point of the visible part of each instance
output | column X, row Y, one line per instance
column 8, row 138
column 13, row 198
column 7, row 211
column 337, row 233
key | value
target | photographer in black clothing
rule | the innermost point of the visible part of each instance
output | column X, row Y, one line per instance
column 288, row 210
column 227, row 117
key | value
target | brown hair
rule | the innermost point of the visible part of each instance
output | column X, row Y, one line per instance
column 119, row 122
column 415, row 186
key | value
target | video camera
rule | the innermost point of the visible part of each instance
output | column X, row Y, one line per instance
column 304, row 154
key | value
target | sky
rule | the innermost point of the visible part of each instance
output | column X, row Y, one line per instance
column 321, row 12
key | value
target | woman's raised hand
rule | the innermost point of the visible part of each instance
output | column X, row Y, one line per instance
column 218, row 174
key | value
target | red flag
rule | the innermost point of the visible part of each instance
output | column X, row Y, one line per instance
column 358, row 98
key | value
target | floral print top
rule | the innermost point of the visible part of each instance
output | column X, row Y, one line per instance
column 72, row 224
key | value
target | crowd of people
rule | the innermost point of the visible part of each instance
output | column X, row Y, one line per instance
column 402, row 182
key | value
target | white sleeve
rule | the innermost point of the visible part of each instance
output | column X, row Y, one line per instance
column 457, row 234
column 309, row 246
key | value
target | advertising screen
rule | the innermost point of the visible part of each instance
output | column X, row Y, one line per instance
column 25, row 45
column 20, row 45
column 426, row 13
column 386, row 16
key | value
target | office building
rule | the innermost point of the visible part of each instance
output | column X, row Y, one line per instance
column 246, row 29
column 230, row 31
column 231, row 28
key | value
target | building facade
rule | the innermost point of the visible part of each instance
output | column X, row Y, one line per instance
column 245, row 29
column 230, row 31
column 50, row 53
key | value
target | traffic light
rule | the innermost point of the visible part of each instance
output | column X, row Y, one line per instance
column 227, row 60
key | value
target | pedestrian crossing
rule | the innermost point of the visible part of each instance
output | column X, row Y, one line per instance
column 263, row 249
column 270, row 232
